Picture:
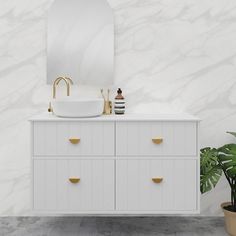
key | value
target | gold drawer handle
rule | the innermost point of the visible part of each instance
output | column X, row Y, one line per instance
column 74, row 140
column 74, row 180
column 157, row 140
column 157, row 180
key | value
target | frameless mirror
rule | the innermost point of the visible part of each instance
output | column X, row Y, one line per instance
column 80, row 41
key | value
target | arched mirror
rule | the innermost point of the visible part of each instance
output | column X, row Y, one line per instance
column 80, row 41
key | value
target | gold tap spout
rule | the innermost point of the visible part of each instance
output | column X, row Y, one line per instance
column 67, row 80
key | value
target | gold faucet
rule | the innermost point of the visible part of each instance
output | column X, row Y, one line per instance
column 68, row 82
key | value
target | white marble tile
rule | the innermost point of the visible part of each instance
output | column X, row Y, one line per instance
column 170, row 56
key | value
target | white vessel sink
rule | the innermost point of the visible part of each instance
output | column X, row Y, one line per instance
column 70, row 107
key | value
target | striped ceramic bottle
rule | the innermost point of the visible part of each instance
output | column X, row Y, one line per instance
column 119, row 104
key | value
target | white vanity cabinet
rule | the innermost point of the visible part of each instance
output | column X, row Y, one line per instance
column 131, row 164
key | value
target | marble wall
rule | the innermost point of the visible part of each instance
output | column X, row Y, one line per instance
column 170, row 56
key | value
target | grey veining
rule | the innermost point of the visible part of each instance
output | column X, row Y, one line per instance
column 169, row 56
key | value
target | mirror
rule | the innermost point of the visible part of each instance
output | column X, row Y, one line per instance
column 80, row 41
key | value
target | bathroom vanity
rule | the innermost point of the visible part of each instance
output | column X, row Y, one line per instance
column 131, row 164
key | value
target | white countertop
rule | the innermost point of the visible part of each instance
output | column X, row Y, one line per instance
column 126, row 117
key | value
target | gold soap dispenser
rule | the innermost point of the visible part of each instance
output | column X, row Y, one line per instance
column 107, row 103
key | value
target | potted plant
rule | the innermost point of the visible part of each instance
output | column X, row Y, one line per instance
column 214, row 162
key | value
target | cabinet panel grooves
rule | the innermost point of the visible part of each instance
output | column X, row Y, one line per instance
column 115, row 162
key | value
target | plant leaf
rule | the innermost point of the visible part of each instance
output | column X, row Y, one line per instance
column 208, row 156
column 228, row 149
column 232, row 133
column 227, row 159
column 210, row 170
column 209, row 179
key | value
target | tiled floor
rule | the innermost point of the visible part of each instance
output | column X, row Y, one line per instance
column 86, row 226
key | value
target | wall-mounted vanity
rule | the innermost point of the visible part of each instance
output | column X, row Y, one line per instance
column 131, row 164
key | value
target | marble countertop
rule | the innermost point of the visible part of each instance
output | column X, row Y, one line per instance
column 126, row 117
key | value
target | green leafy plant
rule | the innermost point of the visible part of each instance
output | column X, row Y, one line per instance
column 214, row 162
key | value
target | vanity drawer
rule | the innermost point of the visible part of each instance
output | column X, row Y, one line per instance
column 73, row 139
column 73, row 185
column 156, row 139
column 157, row 185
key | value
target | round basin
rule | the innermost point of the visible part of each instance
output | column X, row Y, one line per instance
column 78, row 108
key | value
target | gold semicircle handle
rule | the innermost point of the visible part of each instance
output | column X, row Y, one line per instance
column 74, row 180
column 157, row 180
column 157, row 140
column 74, row 140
